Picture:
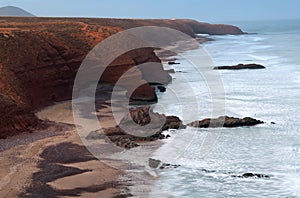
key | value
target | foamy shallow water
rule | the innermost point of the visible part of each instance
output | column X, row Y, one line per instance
column 272, row 95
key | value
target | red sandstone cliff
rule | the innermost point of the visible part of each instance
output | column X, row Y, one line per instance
column 39, row 58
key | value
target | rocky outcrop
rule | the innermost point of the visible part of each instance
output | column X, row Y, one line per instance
column 225, row 121
column 240, row 66
column 128, row 135
column 252, row 175
column 145, row 115
column 154, row 163
column 39, row 59
column 173, row 122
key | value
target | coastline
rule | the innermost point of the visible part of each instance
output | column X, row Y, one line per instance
column 62, row 133
column 60, row 130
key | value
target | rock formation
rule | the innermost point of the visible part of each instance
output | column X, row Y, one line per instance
column 154, row 163
column 240, row 66
column 127, row 134
column 252, row 175
column 225, row 121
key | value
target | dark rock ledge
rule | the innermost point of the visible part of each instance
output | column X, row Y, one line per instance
column 225, row 121
column 252, row 175
column 240, row 66
column 154, row 163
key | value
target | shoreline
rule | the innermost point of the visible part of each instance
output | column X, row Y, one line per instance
column 59, row 130
column 61, row 134
column 240, row 163
column 133, row 181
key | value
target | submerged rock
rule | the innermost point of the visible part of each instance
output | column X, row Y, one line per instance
column 225, row 121
column 246, row 175
column 153, row 163
column 167, row 165
column 240, row 66
column 252, row 175
column 173, row 63
column 207, row 171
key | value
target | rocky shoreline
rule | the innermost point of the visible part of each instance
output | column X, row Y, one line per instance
column 50, row 50
column 42, row 72
column 127, row 135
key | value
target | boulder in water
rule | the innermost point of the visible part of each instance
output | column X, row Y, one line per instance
column 240, row 66
column 252, row 175
column 173, row 63
column 225, row 121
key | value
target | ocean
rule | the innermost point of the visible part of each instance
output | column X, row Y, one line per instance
column 271, row 95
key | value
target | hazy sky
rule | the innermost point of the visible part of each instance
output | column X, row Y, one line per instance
column 204, row 10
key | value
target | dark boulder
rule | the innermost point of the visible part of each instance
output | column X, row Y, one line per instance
column 240, row 66
column 153, row 163
column 258, row 175
column 173, row 63
column 161, row 88
column 167, row 165
column 225, row 121
column 252, row 175
column 207, row 171
column 173, row 122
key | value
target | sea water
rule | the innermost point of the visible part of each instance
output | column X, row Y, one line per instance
column 271, row 95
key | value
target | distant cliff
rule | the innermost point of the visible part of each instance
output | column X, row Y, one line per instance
column 39, row 59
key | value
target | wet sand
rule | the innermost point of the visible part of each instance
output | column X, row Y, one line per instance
column 53, row 162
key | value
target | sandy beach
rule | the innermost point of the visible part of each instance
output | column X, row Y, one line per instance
column 54, row 162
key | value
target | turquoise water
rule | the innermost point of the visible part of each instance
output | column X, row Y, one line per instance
column 272, row 95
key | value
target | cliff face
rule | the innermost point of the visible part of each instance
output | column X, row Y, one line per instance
column 213, row 29
column 39, row 58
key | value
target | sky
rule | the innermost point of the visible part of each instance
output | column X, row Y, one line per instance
column 203, row 10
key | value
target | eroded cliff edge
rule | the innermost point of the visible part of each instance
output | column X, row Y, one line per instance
column 39, row 59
